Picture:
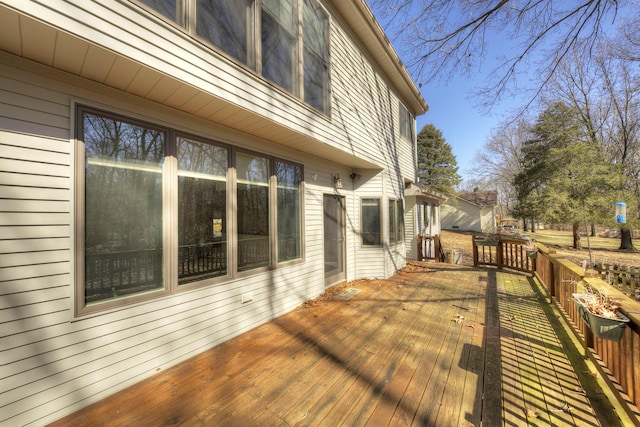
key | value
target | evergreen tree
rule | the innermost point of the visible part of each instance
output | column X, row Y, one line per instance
column 437, row 166
column 566, row 177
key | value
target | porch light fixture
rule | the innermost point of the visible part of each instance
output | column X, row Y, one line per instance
column 337, row 182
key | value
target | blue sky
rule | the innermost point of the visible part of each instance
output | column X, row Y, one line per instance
column 452, row 111
column 452, row 108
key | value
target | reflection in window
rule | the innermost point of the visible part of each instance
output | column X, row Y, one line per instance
column 406, row 123
column 399, row 221
column 289, row 178
column 371, row 222
column 279, row 41
column 226, row 24
column 123, row 208
column 202, row 210
column 253, row 173
column 396, row 221
column 316, row 54
column 168, row 8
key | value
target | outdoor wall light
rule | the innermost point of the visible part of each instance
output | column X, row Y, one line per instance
column 337, row 182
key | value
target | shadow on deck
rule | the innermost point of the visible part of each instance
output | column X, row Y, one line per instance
column 435, row 345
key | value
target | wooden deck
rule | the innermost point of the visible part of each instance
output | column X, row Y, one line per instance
column 436, row 345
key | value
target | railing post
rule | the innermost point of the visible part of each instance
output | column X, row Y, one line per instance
column 499, row 254
column 475, row 252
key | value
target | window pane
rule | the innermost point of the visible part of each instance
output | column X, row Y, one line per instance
column 315, row 81
column 278, row 53
column 202, row 211
column 314, row 20
column 399, row 221
column 289, row 178
column 284, row 11
column 392, row 221
column 406, row 129
column 316, row 54
column 371, row 222
column 165, row 7
column 253, row 174
column 123, row 208
column 225, row 23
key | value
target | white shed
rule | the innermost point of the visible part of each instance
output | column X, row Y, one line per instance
column 471, row 211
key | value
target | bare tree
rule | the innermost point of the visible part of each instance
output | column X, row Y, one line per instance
column 605, row 91
column 444, row 38
column 500, row 160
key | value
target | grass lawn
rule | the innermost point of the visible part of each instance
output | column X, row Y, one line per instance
column 565, row 239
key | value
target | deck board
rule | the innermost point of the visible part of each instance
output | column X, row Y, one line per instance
column 435, row 345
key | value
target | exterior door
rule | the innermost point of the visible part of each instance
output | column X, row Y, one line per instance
column 334, row 242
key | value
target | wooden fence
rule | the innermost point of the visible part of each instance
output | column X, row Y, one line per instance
column 617, row 361
column 504, row 252
column 624, row 278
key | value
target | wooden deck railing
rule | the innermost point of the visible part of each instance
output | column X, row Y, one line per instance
column 624, row 278
column 618, row 361
column 430, row 248
column 504, row 252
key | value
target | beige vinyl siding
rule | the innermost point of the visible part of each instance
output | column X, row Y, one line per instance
column 411, row 226
column 56, row 365
column 172, row 68
column 123, row 27
column 369, row 259
column 363, row 104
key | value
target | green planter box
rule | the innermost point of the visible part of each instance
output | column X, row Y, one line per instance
column 602, row 327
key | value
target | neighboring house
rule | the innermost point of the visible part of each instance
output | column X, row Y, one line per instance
column 471, row 211
column 422, row 217
column 176, row 173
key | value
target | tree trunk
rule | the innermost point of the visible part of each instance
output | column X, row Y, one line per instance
column 576, row 236
column 593, row 230
column 525, row 226
column 533, row 225
column 626, row 241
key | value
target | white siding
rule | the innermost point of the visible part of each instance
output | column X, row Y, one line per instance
column 174, row 69
column 66, row 365
column 412, row 226
column 53, row 363
column 460, row 215
column 368, row 260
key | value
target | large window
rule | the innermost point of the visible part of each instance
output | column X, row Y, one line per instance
column 123, row 222
column 168, row 8
column 316, row 55
column 202, row 210
column 406, row 123
column 289, row 194
column 227, row 25
column 279, row 43
column 151, row 223
column 371, row 222
column 290, row 48
column 254, row 173
column 396, row 221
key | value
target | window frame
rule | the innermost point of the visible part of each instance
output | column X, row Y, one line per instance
column 363, row 243
column 170, row 283
column 395, row 221
column 301, row 188
column 186, row 21
column 405, row 123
